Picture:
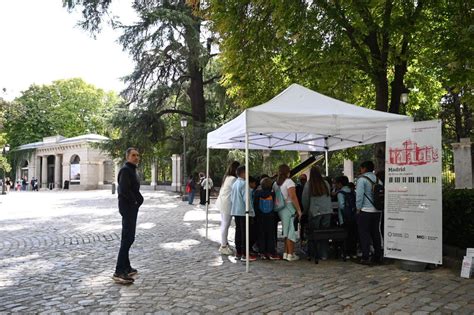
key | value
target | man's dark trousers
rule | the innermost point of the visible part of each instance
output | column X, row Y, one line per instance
column 369, row 232
column 129, row 225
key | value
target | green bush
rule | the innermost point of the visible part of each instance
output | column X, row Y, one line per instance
column 458, row 217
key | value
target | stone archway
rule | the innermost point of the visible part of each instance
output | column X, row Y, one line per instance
column 75, row 170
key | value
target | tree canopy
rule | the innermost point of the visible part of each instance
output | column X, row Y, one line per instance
column 66, row 107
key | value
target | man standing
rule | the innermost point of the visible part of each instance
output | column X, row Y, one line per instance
column 129, row 199
column 369, row 216
column 205, row 184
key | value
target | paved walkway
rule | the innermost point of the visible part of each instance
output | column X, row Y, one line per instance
column 58, row 251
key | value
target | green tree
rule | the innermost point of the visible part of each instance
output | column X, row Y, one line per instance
column 358, row 51
column 66, row 107
column 171, row 47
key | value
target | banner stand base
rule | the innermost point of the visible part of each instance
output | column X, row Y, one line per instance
column 414, row 266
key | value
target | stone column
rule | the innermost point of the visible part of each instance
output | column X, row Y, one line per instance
column 153, row 174
column 44, row 172
column 101, row 173
column 349, row 170
column 176, row 172
column 38, row 168
column 463, row 164
column 57, row 171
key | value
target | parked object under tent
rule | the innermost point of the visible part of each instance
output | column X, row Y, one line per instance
column 299, row 119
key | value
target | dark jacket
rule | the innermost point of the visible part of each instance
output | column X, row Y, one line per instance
column 129, row 195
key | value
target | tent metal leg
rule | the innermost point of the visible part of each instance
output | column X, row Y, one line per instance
column 247, row 202
column 207, row 195
column 327, row 162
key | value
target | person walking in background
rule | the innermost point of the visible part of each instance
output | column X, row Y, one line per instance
column 238, row 201
column 24, row 183
column 206, row 185
column 368, row 217
column 8, row 183
column 129, row 200
column 287, row 215
column 317, row 206
column 191, row 189
column 223, row 203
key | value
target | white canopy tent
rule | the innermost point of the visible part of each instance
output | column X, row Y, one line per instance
column 299, row 119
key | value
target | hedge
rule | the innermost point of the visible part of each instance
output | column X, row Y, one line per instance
column 458, row 217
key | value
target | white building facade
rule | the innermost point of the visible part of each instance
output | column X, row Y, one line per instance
column 70, row 163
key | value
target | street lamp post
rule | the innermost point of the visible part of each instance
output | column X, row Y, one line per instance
column 184, row 124
column 5, row 150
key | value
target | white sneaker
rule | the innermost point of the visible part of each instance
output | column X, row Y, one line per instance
column 225, row 250
column 285, row 256
column 292, row 257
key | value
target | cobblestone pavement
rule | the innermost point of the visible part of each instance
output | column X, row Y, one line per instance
column 58, row 251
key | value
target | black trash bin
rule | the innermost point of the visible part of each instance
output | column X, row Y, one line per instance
column 66, row 184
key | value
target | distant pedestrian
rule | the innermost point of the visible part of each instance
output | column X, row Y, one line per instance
column 191, row 189
column 24, row 183
column 129, row 200
column 205, row 184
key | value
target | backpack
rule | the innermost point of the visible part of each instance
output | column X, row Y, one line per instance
column 265, row 204
column 188, row 187
column 349, row 211
column 378, row 191
column 279, row 203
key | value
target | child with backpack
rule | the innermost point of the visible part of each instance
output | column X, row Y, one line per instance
column 237, row 210
column 369, row 203
column 347, row 212
column 265, row 219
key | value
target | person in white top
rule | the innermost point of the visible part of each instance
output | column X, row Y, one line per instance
column 224, row 205
column 287, row 214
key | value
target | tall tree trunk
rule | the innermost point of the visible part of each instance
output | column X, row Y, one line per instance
column 195, row 90
column 196, row 94
column 381, row 103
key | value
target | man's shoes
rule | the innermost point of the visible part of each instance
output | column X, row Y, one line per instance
column 226, row 250
column 132, row 271
column 122, row 278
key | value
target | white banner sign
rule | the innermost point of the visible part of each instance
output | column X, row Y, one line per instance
column 413, row 205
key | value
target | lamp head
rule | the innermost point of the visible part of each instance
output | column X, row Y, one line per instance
column 184, row 122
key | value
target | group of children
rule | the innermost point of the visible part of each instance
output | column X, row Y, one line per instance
column 265, row 212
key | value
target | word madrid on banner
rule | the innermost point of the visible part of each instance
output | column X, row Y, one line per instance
column 412, row 154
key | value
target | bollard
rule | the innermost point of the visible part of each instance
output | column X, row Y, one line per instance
column 113, row 188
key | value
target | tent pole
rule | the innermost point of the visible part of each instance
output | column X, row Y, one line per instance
column 207, row 194
column 247, row 202
column 327, row 162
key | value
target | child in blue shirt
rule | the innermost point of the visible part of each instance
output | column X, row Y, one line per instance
column 238, row 198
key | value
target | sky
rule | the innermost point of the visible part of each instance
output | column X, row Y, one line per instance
column 40, row 42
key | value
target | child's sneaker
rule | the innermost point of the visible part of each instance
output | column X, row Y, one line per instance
column 238, row 257
column 292, row 257
column 285, row 256
column 274, row 257
column 263, row 256
column 225, row 250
